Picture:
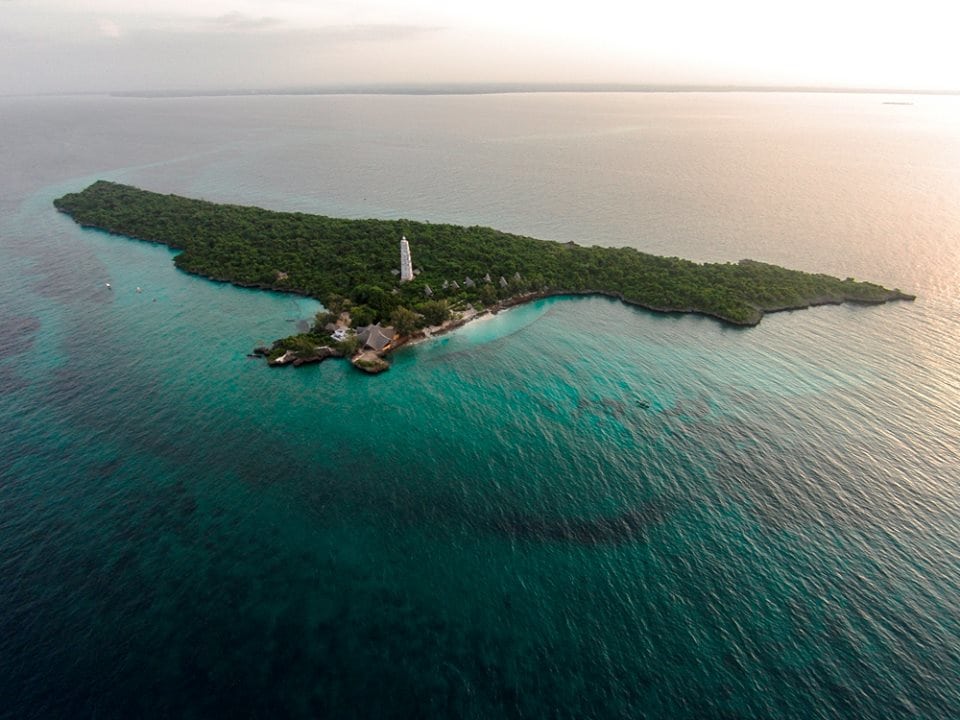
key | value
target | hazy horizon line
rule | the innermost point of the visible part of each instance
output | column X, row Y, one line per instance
column 492, row 88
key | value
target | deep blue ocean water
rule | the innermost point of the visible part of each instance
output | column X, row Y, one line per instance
column 499, row 526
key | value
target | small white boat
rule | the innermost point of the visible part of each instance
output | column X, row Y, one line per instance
column 108, row 286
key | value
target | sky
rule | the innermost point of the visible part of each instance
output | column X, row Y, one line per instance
column 130, row 45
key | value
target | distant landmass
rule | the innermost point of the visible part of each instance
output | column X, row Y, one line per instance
column 354, row 267
column 498, row 88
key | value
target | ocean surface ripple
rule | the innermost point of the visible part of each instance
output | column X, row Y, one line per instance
column 576, row 509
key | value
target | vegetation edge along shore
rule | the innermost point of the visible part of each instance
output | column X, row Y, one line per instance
column 351, row 266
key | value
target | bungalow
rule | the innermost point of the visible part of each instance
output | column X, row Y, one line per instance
column 375, row 337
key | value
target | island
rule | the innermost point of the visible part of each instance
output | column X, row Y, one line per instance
column 378, row 299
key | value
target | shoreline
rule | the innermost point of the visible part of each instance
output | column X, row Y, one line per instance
column 518, row 300
column 430, row 333
column 328, row 259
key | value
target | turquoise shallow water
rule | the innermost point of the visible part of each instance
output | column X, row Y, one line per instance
column 498, row 526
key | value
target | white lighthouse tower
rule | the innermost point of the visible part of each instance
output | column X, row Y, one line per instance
column 406, row 264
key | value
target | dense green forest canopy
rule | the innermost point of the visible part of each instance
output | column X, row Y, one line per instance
column 336, row 259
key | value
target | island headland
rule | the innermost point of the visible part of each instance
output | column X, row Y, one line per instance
column 378, row 298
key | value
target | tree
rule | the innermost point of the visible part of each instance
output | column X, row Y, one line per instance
column 488, row 296
column 349, row 345
column 322, row 318
column 336, row 304
column 362, row 315
column 404, row 320
column 434, row 311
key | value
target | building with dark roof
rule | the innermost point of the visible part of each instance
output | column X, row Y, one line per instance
column 375, row 337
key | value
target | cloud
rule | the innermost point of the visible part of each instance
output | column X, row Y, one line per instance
column 370, row 33
column 123, row 53
column 239, row 22
column 236, row 22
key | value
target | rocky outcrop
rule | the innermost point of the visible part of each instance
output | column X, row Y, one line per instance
column 288, row 357
column 291, row 358
column 370, row 362
column 321, row 354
